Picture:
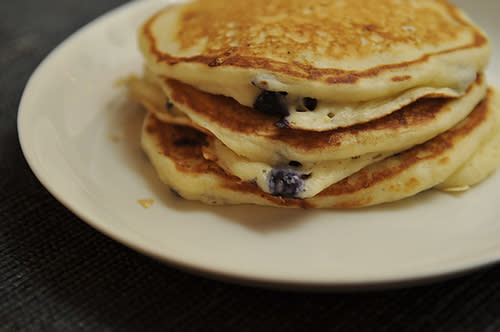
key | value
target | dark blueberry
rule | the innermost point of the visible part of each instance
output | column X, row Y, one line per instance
column 310, row 103
column 294, row 163
column 285, row 182
column 271, row 102
column 169, row 105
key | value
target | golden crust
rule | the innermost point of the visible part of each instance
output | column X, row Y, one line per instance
column 293, row 37
column 430, row 150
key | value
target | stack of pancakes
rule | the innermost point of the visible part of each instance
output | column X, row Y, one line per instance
column 316, row 103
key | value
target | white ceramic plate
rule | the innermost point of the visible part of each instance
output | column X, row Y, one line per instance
column 80, row 135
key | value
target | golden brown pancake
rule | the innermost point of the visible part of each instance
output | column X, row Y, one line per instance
column 339, row 103
column 176, row 153
column 480, row 165
column 316, row 175
column 338, row 53
column 253, row 134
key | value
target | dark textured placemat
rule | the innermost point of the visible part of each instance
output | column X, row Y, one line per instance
column 59, row 274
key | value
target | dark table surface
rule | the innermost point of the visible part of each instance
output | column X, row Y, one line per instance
column 59, row 274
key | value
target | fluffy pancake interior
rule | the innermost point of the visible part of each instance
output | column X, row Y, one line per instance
column 309, row 179
column 327, row 116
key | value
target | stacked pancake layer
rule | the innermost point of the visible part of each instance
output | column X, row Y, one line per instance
column 234, row 120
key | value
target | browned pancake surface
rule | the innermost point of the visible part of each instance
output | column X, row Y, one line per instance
column 241, row 120
column 371, row 175
column 184, row 146
column 293, row 37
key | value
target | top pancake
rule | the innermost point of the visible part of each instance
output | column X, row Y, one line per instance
column 341, row 51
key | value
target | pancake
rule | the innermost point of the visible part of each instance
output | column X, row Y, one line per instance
column 338, row 62
column 151, row 96
column 176, row 152
column 313, row 177
column 482, row 163
column 319, row 174
column 253, row 135
column 333, row 115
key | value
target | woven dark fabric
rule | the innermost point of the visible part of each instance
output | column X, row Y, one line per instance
column 59, row 274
